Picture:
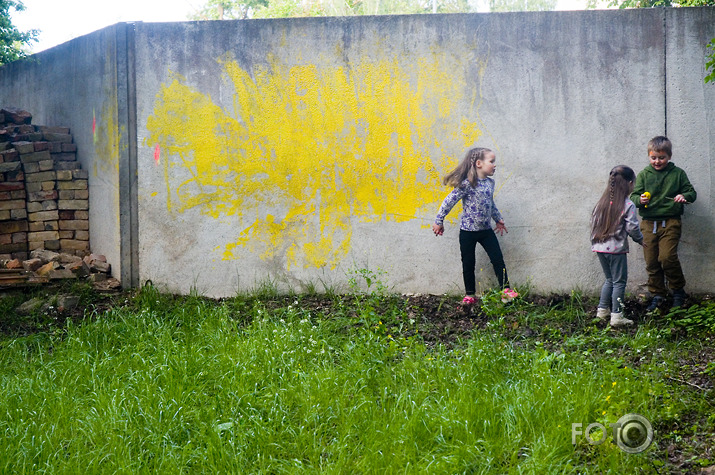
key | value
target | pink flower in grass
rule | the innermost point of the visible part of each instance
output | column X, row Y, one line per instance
column 507, row 295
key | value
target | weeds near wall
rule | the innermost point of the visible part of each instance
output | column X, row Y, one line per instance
column 697, row 319
column 369, row 293
column 493, row 304
column 710, row 63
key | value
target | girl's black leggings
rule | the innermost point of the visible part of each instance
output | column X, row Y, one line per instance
column 467, row 245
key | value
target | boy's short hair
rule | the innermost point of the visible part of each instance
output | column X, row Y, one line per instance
column 660, row 144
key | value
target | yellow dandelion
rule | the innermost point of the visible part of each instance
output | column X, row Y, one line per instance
column 614, row 384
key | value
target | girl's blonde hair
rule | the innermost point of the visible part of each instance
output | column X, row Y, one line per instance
column 467, row 169
column 608, row 211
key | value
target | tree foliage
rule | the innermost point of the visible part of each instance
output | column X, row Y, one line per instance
column 710, row 62
column 240, row 9
column 13, row 41
column 521, row 5
column 660, row 3
column 228, row 9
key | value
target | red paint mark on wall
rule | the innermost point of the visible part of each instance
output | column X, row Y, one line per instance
column 157, row 153
column 94, row 127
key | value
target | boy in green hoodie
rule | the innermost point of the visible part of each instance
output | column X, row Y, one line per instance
column 660, row 193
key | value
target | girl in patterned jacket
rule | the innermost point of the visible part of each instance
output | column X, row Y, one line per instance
column 473, row 185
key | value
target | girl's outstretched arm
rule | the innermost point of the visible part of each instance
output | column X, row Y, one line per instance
column 501, row 229
column 452, row 199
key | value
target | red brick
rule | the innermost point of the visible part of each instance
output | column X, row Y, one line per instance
column 14, row 115
column 36, row 156
column 13, row 204
column 55, row 137
column 14, row 247
column 9, row 156
column 11, row 186
column 18, row 175
column 64, row 157
column 19, row 237
column 9, row 227
column 73, row 204
column 42, row 195
column 24, row 147
column 81, row 224
column 42, row 176
column 44, row 216
column 52, row 129
column 72, row 185
column 74, row 244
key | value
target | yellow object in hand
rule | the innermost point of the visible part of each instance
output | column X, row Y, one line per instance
column 647, row 196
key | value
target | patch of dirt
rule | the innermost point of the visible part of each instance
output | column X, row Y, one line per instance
column 48, row 316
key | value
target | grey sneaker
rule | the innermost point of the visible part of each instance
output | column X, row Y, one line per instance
column 679, row 297
column 655, row 303
column 618, row 320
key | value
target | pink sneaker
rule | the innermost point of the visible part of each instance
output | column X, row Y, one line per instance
column 468, row 300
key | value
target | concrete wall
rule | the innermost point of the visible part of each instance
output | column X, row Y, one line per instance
column 690, row 122
column 83, row 84
column 297, row 151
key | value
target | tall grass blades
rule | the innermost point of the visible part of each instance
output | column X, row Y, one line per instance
column 186, row 385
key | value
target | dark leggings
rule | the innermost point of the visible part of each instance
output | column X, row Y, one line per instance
column 467, row 245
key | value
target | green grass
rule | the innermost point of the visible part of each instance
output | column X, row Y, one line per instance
column 257, row 384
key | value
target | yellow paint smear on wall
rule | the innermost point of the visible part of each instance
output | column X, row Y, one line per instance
column 309, row 150
column 108, row 139
column 108, row 135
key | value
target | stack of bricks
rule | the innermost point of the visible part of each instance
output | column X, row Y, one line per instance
column 73, row 198
column 51, row 205
column 13, row 212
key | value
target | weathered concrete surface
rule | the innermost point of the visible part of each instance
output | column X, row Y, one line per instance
column 295, row 151
column 691, row 125
column 82, row 84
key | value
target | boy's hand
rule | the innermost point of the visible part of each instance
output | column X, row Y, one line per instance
column 645, row 198
column 437, row 229
column 680, row 199
column 501, row 229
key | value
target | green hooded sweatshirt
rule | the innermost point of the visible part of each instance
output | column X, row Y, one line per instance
column 663, row 186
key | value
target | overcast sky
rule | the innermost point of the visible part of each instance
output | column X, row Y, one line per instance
column 62, row 20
